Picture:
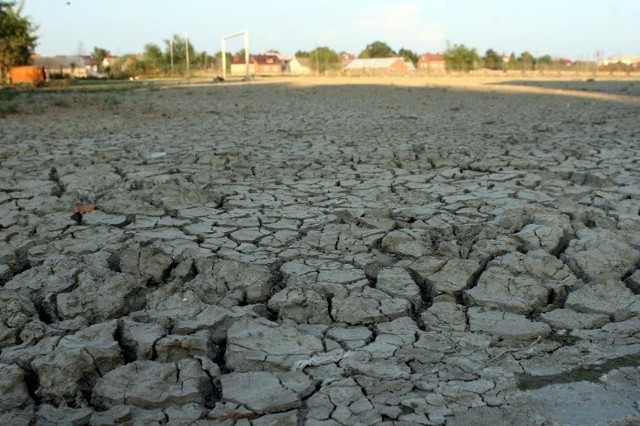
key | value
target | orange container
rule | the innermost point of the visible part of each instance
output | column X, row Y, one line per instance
column 27, row 74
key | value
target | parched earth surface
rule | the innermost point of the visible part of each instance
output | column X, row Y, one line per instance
column 322, row 255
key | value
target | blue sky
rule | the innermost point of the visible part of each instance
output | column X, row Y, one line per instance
column 568, row 28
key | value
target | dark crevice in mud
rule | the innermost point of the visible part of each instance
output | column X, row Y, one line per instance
column 330, row 308
column 128, row 220
column 426, row 288
column 219, row 358
column 166, row 274
column 59, row 189
column 271, row 314
column 128, row 352
column 118, row 170
column 95, row 363
column 483, row 268
column 171, row 212
column 22, row 262
column 154, row 350
column 220, row 200
column 416, row 316
column 590, row 223
column 303, row 411
column 113, row 261
column 561, row 247
column 373, row 282
column 632, row 284
column 564, row 340
column 588, row 373
column 211, row 393
column 560, row 297
column 278, row 280
column 44, row 313
column 32, row 381
column 551, row 298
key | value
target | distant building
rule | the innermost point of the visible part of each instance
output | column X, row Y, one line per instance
column 109, row 61
column 345, row 58
column 31, row 74
column 629, row 60
column 263, row 64
column 432, row 63
column 76, row 66
column 378, row 66
column 565, row 61
column 298, row 66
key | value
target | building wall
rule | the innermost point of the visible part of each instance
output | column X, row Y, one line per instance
column 257, row 69
column 296, row 68
column 27, row 74
column 397, row 67
column 432, row 66
column 269, row 69
column 241, row 69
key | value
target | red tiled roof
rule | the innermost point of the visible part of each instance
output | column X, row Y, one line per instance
column 429, row 57
column 266, row 59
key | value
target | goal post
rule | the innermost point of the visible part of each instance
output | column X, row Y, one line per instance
column 223, row 43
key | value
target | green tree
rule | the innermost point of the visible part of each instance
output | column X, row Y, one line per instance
column 17, row 37
column 180, row 48
column 240, row 54
column 409, row 55
column 217, row 59
column 377, row 49
column 545, row 59
column 323, row 58
column 544, row 62
column 460, row 58
column 98, row 55
column 153, row 53
column 204, row 60
column 492, row 60
column 154, row 59
column 526, row 61
column 301, row 54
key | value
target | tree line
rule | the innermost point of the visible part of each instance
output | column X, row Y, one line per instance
column 459, row 57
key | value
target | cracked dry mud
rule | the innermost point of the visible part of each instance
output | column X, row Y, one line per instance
column 333, row 254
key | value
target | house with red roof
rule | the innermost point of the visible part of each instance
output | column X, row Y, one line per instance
column 262, row 64
column 432, row 63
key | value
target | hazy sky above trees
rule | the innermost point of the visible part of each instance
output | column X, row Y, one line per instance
column 569, row 28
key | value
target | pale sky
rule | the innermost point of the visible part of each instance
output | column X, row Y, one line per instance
column 562, row 28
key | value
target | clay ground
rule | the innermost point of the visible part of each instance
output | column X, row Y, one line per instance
column 322, row 251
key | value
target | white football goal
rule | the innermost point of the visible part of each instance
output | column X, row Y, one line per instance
column 223, row 43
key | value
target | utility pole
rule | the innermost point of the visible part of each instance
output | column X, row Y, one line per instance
column 171, row 54
column 186, row 48
column 246, row 54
